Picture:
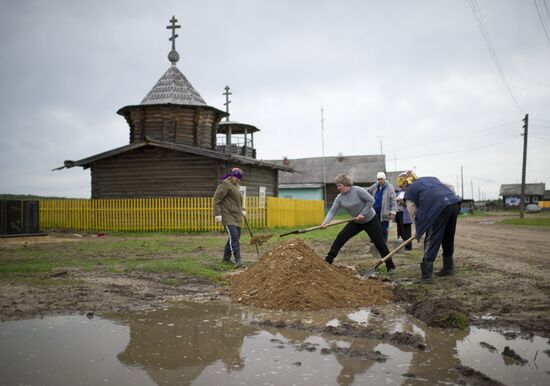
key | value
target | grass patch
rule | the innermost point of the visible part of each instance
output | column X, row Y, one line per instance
column 453, row 320
column 532, row 222
column 188, row 266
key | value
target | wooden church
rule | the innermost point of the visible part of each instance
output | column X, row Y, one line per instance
column 173, row 150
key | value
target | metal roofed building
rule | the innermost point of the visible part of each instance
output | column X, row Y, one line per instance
column 306, row 182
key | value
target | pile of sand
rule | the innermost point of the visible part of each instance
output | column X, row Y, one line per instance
column 293, row 277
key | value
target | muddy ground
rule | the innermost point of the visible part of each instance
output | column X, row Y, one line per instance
column 502, row 277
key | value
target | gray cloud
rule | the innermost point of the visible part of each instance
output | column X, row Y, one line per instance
column 416, row 75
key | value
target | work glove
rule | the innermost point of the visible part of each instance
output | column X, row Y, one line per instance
column 218, row 219
column 243, row 212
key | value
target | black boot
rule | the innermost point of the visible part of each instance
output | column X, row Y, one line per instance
column 237, row 256
column 390, row 266
column 427, row 269
column 448, row 268
column 329, row 259
column 227, row 258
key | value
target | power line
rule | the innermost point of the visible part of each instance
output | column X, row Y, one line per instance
column 540, row 137
column 462, row 135
column 545, row 29
column 485, row 34
column 462, row 150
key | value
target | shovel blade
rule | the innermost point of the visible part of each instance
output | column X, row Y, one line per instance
column 369, row 272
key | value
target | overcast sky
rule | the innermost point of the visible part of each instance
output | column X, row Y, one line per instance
column 415, row 79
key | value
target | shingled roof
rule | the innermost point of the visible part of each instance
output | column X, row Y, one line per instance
column 87, row 162
column 361, row 168
column 173, row 88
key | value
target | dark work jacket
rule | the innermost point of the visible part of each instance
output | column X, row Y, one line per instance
column 431, row 196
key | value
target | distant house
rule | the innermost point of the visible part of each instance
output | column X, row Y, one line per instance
column 306, row 182
column 511, row 194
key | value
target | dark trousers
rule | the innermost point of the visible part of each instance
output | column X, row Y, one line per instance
column 399, row 222
column 232, row 246
column 372, row 228
column 406, row 233
column 441, row 234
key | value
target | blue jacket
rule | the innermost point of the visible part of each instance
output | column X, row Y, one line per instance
column 431, row 196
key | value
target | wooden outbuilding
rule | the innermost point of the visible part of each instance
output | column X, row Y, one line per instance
column 172, row 150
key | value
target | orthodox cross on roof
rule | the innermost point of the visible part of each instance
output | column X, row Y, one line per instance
column 227, row 101
column 173, row 55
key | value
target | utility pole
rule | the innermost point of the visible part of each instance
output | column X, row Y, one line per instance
column 524, row 167
column 472, row 188
column 226, row 104
column 323, row 153
column 381, row 147
column 461, row 183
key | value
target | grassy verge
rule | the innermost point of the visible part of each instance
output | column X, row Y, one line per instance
column 193, row 255
column 533, row 222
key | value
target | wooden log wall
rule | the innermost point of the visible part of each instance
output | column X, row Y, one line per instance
column 254, row 178
column 157, row 172
column 188, row 125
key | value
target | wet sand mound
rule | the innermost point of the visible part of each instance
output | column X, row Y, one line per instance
column 293, row 277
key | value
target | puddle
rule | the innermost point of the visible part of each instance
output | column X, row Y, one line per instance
column 208, row 344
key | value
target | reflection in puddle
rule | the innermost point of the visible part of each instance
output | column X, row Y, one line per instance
column 483, row 350
column 207, row 344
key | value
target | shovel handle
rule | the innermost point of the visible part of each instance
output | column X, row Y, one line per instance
column 299, row 231
column 397, row 249
column 251, row 235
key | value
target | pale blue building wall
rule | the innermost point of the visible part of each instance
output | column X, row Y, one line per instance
column 302, row 193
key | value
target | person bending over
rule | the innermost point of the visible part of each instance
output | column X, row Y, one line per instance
column 359, row 203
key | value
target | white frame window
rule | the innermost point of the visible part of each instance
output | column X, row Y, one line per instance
column 535, row 199
column 242, row 189
column 262, row 193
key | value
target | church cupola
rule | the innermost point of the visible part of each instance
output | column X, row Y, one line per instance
column 173, row 111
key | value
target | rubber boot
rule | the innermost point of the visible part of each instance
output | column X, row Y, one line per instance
column 237, row 256
column 390, row 266
column 448, row 268
column 427, row 270
column 226, row 256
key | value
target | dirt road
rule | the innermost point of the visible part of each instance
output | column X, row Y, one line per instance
column 502, row 276
column 506, row 272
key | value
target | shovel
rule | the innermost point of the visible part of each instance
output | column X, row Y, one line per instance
column 371, row 271
column 251, row 235
column 299, row 231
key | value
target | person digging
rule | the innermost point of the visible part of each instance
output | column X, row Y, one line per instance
column 228, row 211
column 359, row 203
column 434, row 206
